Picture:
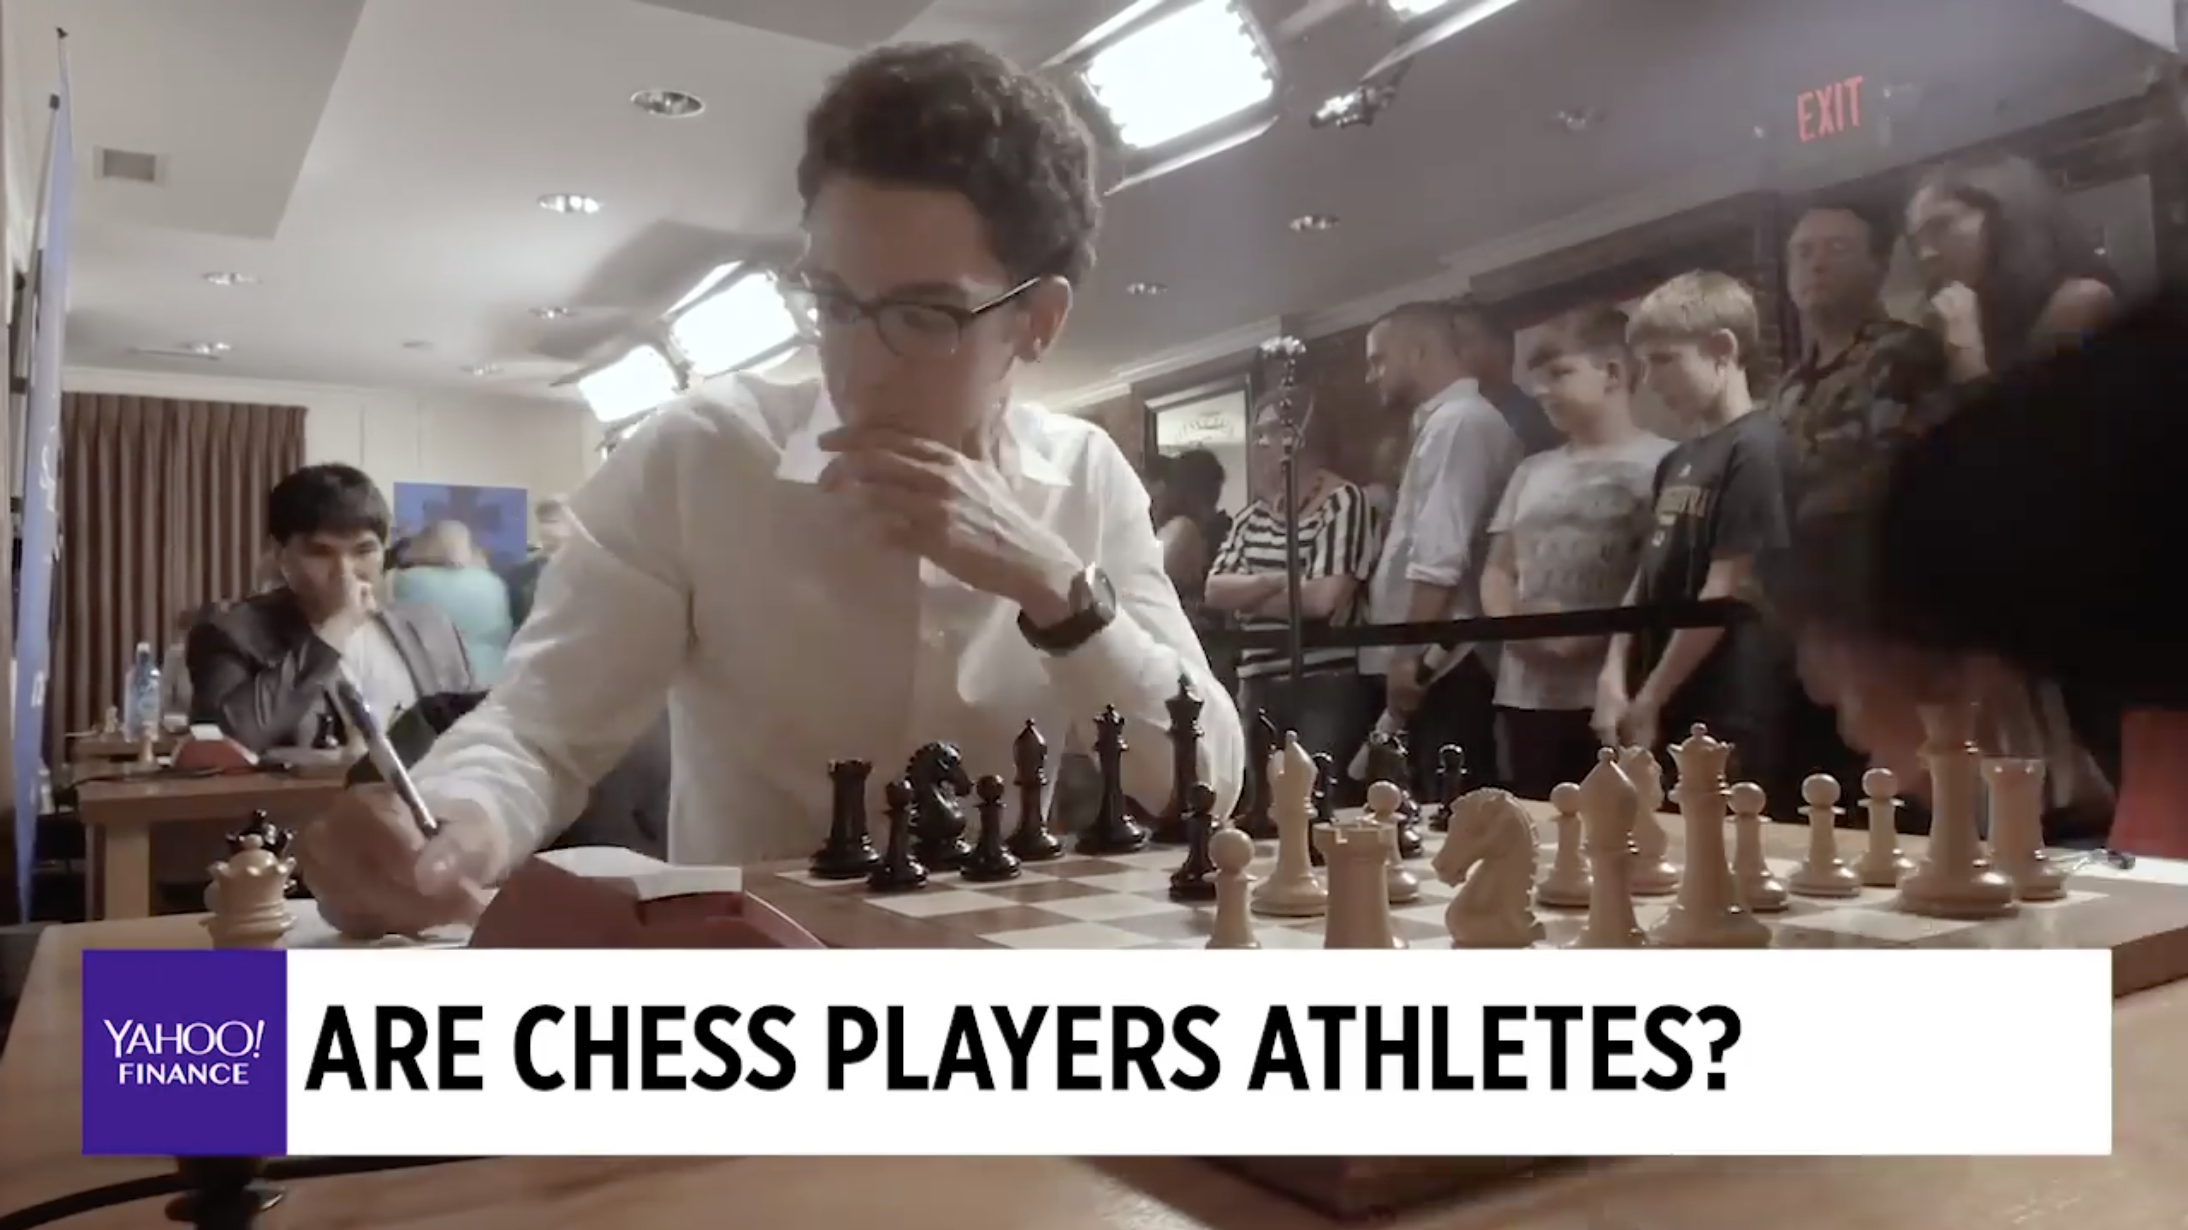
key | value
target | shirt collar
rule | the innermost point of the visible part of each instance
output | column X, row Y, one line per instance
column 1028, row 445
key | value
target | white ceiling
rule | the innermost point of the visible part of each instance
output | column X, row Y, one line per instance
column 374, row 163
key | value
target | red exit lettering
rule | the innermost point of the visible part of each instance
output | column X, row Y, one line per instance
column 1834, row 109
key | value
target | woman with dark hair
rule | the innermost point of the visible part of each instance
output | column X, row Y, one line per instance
column 2010, row 277
column 1187, row 521
column 2011, row 280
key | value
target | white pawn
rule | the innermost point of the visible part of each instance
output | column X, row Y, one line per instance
column 1882, row 864
column 1233, row 852
column 1823, row 873
column 248, row 898
column 1568, row 886
column 1383, row 801
column 1758, row 887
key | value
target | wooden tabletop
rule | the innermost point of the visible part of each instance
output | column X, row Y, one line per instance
column 2138, row 1188
column 182, row 799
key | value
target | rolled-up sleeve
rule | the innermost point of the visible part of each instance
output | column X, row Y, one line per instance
column 1465, row 459
column 1137, row 662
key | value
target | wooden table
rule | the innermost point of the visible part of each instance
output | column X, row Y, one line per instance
column 2140, row 1187
column 120, row 817
column 97, row 747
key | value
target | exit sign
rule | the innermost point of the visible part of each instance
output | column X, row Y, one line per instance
column 1831, row 111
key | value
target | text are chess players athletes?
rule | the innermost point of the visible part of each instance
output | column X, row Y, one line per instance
column 2033, row 530
column 851, row 568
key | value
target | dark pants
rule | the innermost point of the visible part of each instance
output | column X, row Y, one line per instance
column 1458, row 710
column 1327, row 711
column 1540, row 748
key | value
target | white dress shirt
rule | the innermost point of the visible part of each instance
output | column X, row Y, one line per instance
column 1464, row 451
column 706, row 567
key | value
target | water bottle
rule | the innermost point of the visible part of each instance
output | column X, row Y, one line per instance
column 141, row 715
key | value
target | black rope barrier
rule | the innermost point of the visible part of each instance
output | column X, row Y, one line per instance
column 1607, row 621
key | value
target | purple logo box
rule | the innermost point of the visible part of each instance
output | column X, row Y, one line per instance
column 185, row 1054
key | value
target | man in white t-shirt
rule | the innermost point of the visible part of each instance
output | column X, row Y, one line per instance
column 1567, row 536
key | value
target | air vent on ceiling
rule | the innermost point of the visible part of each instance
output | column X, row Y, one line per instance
column 129, row 165
column 161, row 352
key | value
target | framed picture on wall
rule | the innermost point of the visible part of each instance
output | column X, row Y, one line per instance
column 1213, row 418
column 497, row 516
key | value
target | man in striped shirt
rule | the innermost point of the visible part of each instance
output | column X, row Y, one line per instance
column 1337, row 548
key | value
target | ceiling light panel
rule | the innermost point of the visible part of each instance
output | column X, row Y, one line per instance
column 569, row 203
column 744, row 321
column 1188, row 70
column 1415, row 8
column 639, row 381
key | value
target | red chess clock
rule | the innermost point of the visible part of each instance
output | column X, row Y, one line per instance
column 2151, row 816
column 543, row 906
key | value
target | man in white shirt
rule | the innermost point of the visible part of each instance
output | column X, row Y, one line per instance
column 849, row 569
column 1464, row 451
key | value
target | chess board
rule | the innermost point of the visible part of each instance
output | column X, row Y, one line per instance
column 1122, row 901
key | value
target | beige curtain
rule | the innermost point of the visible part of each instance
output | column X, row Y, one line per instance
column 163, row 506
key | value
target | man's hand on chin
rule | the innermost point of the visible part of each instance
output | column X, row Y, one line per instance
column 955, row 510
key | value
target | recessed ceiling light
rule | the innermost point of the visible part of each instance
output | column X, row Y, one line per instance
column 1579, row 119
column 417, row 343
column 482, row 370
column 1310, row 223
column 552, row 313
column 569, row 203
column 1145, row 288
column 208, row 349
column 668, row 104
column 224, row 278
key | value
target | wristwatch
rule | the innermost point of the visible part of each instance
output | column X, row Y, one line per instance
column 1093, row 608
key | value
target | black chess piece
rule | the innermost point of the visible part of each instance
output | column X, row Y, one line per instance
column 939, row 781
column 1262, row 741
column 271, row 836
column 1193, row 880
column 1399, row 759
column 1113, row 831
column 899, row 870
column 1185, row 736
column 990, row 862
column 327, row 735
column 1031, row 841
column 1450, row 784
column 1325, row 799
column 849, row 853
column 222, row 1193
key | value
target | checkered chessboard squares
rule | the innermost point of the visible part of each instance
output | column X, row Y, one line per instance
column 1122, row 901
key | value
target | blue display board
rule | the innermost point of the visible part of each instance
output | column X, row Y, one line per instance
column 497, row 515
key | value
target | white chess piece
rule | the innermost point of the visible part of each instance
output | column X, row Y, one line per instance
column 2016, row 793
column 1955, row 879
column 1609, row 805
column 1490, row 854
column 1568, row 884
column 1233, row 852
column 1358, row 853
column 1292, row 889
column 248, row 898
column 1823, row 873
column 1882, row 865
column 1758, row 887
column 1383, row 801
column 1654, row 874
column 1708, row 913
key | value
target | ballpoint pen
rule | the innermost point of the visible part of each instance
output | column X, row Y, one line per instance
column 361, row 719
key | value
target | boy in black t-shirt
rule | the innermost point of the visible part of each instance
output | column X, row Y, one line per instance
column 1721, row 502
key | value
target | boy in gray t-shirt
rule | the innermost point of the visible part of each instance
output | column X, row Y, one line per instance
column 1567, row 536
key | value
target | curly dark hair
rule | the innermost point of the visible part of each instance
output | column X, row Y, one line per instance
column 957, row 117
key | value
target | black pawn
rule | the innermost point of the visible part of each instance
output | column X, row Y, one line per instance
column 899, row 870
column 1114, row 831
column 1193, row 881
column 1185, row 736
column 1261, row 743
column 1031, row 841
column 1325, row 799
column 1408, row 824
column 849, row 853
column 1450, row 784
column 989, row 862
column 271, row 836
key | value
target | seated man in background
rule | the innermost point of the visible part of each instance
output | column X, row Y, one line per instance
column 446, row 571
column 263, row 670
column 1327, row 706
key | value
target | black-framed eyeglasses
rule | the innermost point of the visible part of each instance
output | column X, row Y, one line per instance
column 909, row 328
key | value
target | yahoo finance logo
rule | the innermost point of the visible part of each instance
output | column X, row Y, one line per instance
column 184, row 1053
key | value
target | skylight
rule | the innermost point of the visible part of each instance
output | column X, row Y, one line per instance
column 639, row 381
column 1187, row 71
column 743, row 321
